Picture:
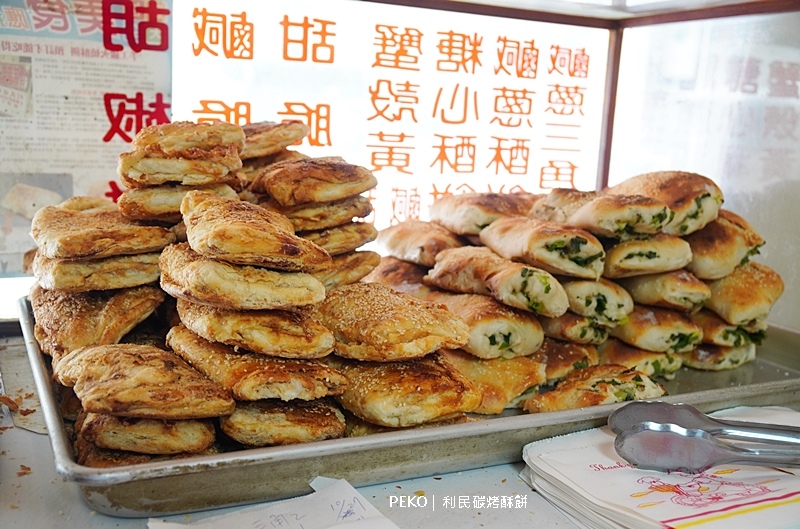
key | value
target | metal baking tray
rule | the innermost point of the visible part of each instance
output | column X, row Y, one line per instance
column 263, row 474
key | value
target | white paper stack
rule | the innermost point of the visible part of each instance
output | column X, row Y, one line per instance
column 582, row 474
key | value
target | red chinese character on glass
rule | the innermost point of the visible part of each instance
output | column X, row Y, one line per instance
column 218, row 33
column 458, row 107
column 390, row 152
column 564, row 61
column 49, row 14
column 392, row 100
column 511, row 154
column 317, row 119
column 783, row 79
column 513, row 107
column 557, row 173
column 88, row 15
column 296, row 41
column 459, row 52
column 405, row 205
column 455, row 152
column 129, row 115
column 147, row 34
column 515, row 58
column 398, row 49
column 565, row 100
column 211, row 110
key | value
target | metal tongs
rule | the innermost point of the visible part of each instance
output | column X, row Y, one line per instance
column 657, row 435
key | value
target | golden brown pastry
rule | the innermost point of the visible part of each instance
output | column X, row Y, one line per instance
column 710, row 357
column 405, row 393
column 109, row 273
column 723, row 244
column 65, row 321
column 90, row 455
column 268, row 137
column 275, row 422
column 560, row 203
column 251, row 167
column 313, row 180
column 356, row 427
column 571, row 327
column 495, row 330
column 654, row 255
column 664, row 365
column 141, row 381
column 677, row 290
column 348, row 268
column 163, row 202
column 250, row 376
column 371, row 321
column 188, row 275
column 694, row 199
column 501, row 381
column 93, row 228
column 593, row 386
column 561, row 358
column 478, row 270
column 746, row 295
column 320, row 216
column 284, row 333
column 417, row 241
column 604, row 301
column 659, row 330
column 147, row 436
column 180, row 136
column 242, row 233
column 557, row 248
column 400, row 275
column 342, row 239
column 719, row 332
column 469, row 213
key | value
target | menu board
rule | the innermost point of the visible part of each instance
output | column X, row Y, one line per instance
column 433, row 102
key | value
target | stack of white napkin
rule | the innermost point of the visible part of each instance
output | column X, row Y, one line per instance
column 582, row 474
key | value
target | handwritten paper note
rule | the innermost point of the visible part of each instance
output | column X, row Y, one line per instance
column 333, row 503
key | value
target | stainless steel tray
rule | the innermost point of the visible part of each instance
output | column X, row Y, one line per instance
column 247, row 476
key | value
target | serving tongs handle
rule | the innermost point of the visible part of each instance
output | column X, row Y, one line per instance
column 690, row 417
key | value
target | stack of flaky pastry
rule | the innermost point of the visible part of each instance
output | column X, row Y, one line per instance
column 617, row 286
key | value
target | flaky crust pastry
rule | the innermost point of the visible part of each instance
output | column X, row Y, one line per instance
column 342, row 239
column 267, row 137
column 109, row 273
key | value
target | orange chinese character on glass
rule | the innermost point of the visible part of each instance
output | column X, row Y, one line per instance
column 459, row 52
column 511, row 154
column 455, row 152
column 210, row 110
column 457, row 106
column 513, row 107
column 128, row 115
column 317, row 119
column 392, row 100
column 390, row 152
column 557, row 173
column 515, row 58
column 399, row 49
column 564, row 61
column 149, row 33
column 405, row 205
column 297, row 40
column 565, row 100
column 221, row 34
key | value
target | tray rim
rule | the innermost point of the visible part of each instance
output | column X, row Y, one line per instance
column 89, row 477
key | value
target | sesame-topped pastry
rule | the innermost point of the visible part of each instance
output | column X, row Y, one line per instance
column 239, row 232
column 746, row 295
column 313, row 180
column 371, row 321
column 250, row 376
column 268, row 137
column 92, row 228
